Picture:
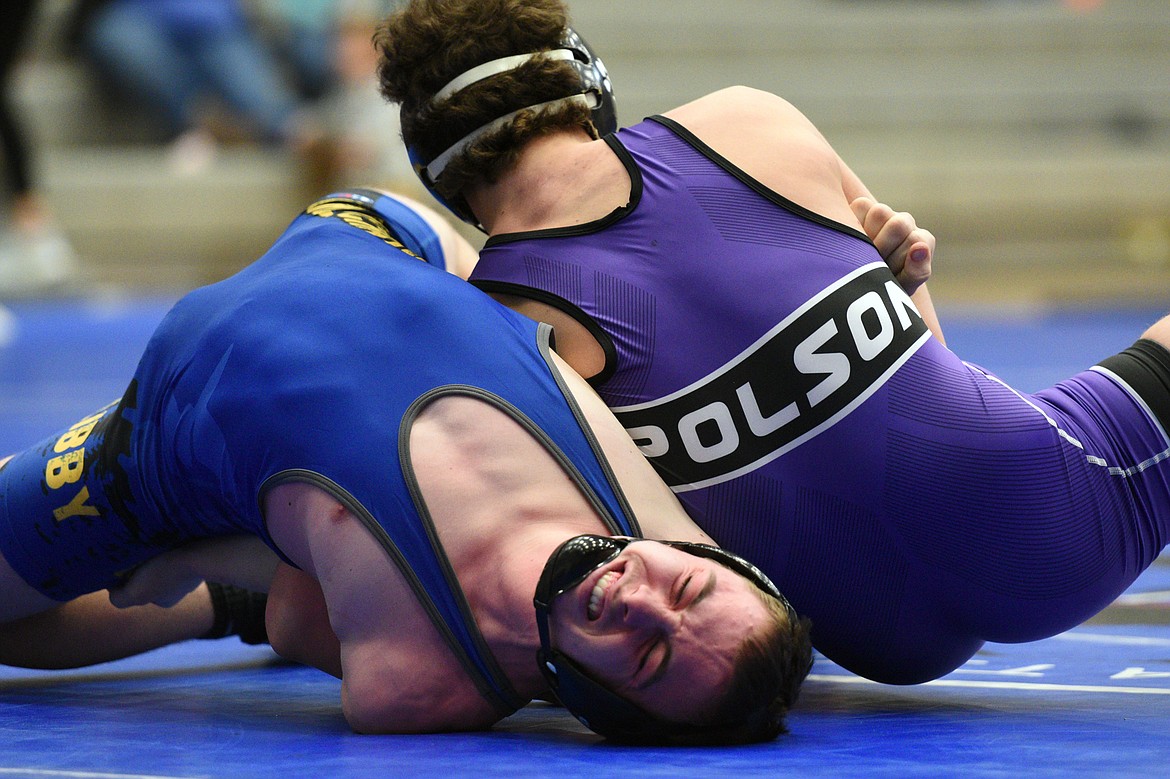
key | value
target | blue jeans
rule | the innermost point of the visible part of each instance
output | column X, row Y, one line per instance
column 171, row 69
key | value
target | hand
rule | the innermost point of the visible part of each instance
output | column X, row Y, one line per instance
column 162, row 580
column 907, row 248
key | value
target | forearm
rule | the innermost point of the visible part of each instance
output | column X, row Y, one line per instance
column 851, row 183
column 244, row 561
column 925, row 306
column 90, row 630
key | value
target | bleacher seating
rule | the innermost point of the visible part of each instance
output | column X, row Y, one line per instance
column 1033, row 140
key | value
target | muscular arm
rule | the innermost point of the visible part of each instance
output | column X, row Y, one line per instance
column 398, row 674
column 244, row 561
column 907, row 248
column 776, row 144
column 90, row 630
column 164, row 602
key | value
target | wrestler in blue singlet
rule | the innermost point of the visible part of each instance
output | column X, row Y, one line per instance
column 770, row 367
column 309, row 365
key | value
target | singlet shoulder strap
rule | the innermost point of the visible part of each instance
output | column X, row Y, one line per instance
column 400, row 225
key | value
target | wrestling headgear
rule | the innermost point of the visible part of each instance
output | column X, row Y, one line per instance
column 595, row 92
column 596, row 706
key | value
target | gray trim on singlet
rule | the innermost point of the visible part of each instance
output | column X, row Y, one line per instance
column 507, row 693
column 544, row 342
column 546, row 442
column 544, row 334
column 421, row 596
column 503, row 695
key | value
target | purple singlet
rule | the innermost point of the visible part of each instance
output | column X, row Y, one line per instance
column 765, row 360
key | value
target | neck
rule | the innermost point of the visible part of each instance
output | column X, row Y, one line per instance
column 501, row 589
column 558, row 180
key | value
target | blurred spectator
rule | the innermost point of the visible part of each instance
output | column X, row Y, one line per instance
column 364, row 142
column 177, row 55
column 302, row 33
column 35, row 256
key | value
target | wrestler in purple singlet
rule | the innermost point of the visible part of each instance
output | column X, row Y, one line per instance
column 765, row 360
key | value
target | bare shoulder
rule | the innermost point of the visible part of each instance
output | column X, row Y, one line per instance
column 459, row 255
column 659, row 512
column 771, row 140
column 740, row 109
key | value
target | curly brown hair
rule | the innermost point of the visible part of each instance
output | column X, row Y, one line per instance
column 427, row 43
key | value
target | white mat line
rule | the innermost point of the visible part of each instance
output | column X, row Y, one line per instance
column 1144, row 598
column 1007, row 685
column 82, row 774
column 1106, row 638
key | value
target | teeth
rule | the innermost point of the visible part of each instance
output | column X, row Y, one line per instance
column 599, row 593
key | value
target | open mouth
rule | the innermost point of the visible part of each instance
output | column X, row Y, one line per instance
column 597, row 595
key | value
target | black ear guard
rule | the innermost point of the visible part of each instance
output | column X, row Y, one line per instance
column 594, row 80
column 596, row 706
column 595, row 91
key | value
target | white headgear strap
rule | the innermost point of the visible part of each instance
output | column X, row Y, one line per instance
column 480, row 72
column 435, row 169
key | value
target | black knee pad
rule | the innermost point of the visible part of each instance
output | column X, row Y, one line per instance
column 1145, row 366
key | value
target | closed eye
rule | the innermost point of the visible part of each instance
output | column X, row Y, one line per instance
column 664, row 644
column 658, row 657
column 708, row 588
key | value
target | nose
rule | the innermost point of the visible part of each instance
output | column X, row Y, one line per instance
column 644, row 608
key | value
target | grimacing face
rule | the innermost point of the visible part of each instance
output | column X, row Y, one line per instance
column 659, row 626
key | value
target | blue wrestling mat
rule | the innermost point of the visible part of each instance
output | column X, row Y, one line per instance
column 1091, row 702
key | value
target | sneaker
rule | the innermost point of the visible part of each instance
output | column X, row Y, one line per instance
column 31, row 265
column 192, row 153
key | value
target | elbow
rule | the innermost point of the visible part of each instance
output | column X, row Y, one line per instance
column 372, row 711
column 382, row 709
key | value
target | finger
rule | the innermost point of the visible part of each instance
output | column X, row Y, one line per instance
column 896, row 258
column 886, row 228
column 861, row 207
column 876, row 219
column 917, row 269
column 894, row 233
column 921, row 251
column 925, row 238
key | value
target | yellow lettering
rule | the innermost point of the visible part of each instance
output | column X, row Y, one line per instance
column 76, row 507
column 76, row 435
column 359, row 216
column 65, row 469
